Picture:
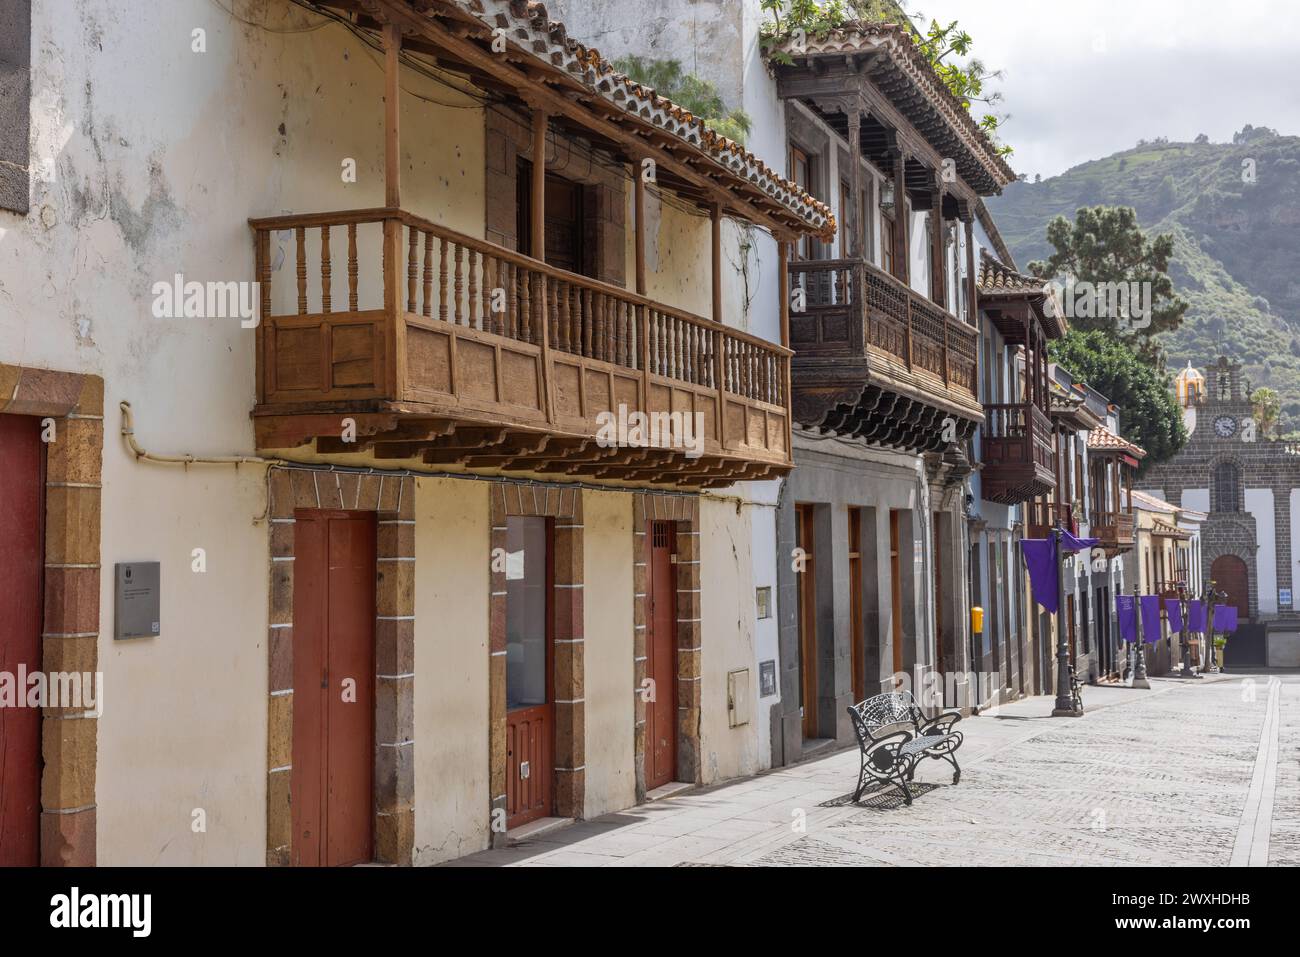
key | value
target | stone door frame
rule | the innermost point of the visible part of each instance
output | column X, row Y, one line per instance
column 70, row 622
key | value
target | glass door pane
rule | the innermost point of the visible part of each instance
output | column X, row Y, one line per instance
column 527, row 547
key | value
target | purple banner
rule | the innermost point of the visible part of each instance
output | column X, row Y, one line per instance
column 1174, row 608
column 1044, row 571
column 1196, row 617
column 1225, row 618
column 1071, row 544
column 1126, row 609
column 1150, row 618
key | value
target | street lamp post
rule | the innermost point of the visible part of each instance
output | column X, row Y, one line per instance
column 1139, row 678
column 1064, row 698
column 1184, row 635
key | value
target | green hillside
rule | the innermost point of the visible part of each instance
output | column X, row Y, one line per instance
column 1237, row 258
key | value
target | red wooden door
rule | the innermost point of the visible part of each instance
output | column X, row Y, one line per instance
column 807, row 620
column 661, row 653
column 333, row 682
column 530, row 701
column 22, row 463
column 1232, row 578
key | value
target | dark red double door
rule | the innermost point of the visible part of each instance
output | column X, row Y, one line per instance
column 332, row 783
column 22, row 464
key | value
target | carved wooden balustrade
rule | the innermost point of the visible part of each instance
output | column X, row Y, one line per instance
column 1114, row 530
column 1042, row 517
column 1017, row 451
column 844, row 306
column 383, row 313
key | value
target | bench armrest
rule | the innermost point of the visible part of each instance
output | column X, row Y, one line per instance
column 939, row 725
column 882, row 751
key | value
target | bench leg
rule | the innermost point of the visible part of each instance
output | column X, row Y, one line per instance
column 951, row 758
column 905, row 774
column 907, row 794
column 862, row 778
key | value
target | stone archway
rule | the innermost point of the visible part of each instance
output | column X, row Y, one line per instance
column 1232, row 577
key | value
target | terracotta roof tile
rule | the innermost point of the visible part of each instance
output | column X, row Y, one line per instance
column 1104, row 440
column 995, row 278
column 529, row 26
column 858, row 36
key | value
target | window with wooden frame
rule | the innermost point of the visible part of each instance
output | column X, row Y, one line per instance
column 848, row 221
column 801, row 172
column 867, row 205
column 888, row 237
column 956, row 289
column 570, row 221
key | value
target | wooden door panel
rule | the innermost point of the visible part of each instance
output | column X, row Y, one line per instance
column 807, row 620
column 564, row 224
column 310, row 594
column 350, row 696
column 661, row 649
column 22, row 480
column 1233, row 579
column 530, row 764
column 856, row 633
column 896, row 590
column 332, row 783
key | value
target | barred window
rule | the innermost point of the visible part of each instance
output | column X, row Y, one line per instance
column 1227, row 487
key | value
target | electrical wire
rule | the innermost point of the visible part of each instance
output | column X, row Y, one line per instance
column 410, row 60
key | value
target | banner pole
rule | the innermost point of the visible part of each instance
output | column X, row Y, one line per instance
column 1139, row 679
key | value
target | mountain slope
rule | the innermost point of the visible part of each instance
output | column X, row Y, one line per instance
column 1237, row 242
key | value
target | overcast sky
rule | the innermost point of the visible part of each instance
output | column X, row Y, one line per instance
column 1085, row 78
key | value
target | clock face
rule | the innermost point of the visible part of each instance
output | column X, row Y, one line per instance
column 1225, row 426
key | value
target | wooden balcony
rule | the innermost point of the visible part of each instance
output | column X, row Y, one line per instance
column 1171, row 589
column 863, row 339
column 1042, row 517
column 1113, row 530
column 1017, row 453
column 456, row 352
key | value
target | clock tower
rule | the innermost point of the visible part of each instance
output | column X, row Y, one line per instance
column 1224, row 407
column 1247, row 483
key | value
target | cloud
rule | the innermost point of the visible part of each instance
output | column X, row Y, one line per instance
column 1083, row 80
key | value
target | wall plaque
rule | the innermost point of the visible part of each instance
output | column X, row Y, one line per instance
column 136, row 600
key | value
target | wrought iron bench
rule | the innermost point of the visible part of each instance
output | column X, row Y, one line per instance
column 894, row 734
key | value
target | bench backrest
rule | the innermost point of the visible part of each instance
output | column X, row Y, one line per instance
column 894, row 707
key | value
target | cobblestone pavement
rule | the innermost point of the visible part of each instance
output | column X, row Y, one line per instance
column 1190, row 773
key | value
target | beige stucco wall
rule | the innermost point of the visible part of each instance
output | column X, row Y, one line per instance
column 452, row 539
column 184, row 715
column 607, row 663
column 679, row 263
column 148, row 159
column 728, row 613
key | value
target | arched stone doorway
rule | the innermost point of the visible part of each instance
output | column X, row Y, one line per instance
column 1231, row 577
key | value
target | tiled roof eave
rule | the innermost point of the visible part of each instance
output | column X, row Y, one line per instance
column 894, row 40
column 1102, row 441
column 528, row 27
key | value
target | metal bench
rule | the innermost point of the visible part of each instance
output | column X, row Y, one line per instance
column 894, row 734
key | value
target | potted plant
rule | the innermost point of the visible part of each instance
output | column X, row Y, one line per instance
column 1219, row 642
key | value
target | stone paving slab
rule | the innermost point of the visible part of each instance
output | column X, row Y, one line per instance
column 1188, row 773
